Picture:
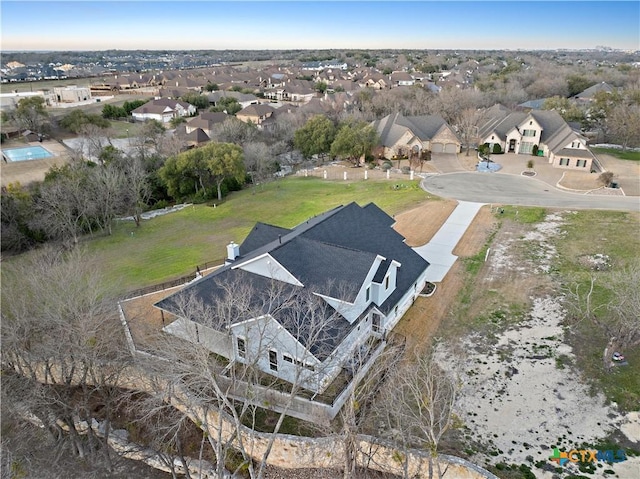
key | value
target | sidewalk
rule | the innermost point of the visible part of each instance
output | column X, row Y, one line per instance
column 438, row 251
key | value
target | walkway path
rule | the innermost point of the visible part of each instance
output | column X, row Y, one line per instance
column 438, row 251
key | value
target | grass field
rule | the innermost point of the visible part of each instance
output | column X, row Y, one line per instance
column 614, row 234
column 172, row 245
column 623, row 155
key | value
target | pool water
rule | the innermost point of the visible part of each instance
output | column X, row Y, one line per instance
column 27, row 153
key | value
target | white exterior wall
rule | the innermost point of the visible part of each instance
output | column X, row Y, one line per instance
column 332, row 366
column 379, row 292
column 268, row 267
column 390, row 321
column 264, row 334
column 162, row 118
column 216, row 341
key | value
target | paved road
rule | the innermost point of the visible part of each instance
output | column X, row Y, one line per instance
column 519, row 190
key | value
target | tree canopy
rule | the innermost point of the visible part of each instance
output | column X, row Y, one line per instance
column 315, row 136
column 199, row 170
column 354, row 140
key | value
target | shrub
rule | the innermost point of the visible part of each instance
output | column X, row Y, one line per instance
column 406, row 170
column 386, row 165
column 606, row 178
column 483, row 149
column 530, row 164
column 497, row 149
column 534, row 150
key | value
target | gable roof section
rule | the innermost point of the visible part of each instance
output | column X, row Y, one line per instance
column 331, row 270
column 357, row 228
column 392, row 127
column 261, row 235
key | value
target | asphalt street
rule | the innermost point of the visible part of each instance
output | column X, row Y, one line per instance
column 519, row 190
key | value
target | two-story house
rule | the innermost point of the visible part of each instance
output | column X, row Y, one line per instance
column 542, row 130
column 357, row 267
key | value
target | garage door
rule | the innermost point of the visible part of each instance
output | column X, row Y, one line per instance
column 451, row 148
column 437, row 148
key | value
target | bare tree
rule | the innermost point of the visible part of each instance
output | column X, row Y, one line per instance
column 63, row 342
column 64, row 205
column 224, row 395
column 419, row 406
column 259, row 161
column 618, row 319
column 467, row 123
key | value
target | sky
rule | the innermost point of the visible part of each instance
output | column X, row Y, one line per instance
column 178, row 25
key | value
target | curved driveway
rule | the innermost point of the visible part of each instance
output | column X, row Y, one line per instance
column 519, row 190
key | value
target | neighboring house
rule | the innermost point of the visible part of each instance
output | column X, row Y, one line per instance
column 587, row 95
column 206, row 122
column 244, row 99
column 401, row 134
column 161, row 113
column 163, row 110
column 72, row 94
column 294, row 93
column 375, row 81
column 401, row 79
column 256, row 114
column 357, row 267
column 521, row 133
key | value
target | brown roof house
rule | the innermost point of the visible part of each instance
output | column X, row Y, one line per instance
column 400, row 135
column 256, row 114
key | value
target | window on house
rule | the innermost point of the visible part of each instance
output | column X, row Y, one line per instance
column 493, row 137
column 273, row 360
column 386, row 283
column 368, row 295
column 287, row 358
column 529, row 133
column 531, row 123
column 526, row 148
column 564, row 161
column 242, row 347
column 581, row 163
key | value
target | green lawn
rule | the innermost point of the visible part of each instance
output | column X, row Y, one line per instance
column 172, row 245
column 616, row 235
column 623, row 155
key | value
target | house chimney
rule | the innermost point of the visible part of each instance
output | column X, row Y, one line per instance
column 233, row 251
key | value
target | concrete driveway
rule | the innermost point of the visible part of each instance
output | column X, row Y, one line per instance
column 438, row 251
column 519, row 190
column 446, row 162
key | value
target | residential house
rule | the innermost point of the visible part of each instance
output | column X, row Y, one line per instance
column 542, row 130
column 358, row 268
column 163, row 110
column 206, row 122
column 256, row 114
column 401, row 79
column 375, row 81
column 588, row 95
column 404, row 135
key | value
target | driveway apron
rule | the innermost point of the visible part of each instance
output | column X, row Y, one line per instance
column 438, row 251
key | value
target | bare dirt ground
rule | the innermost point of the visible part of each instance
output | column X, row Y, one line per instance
column 419, row 224
column 420, row 324
column 626, row 173
column 520, row 395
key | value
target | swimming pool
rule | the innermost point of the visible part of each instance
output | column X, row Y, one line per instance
column 27, row 153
